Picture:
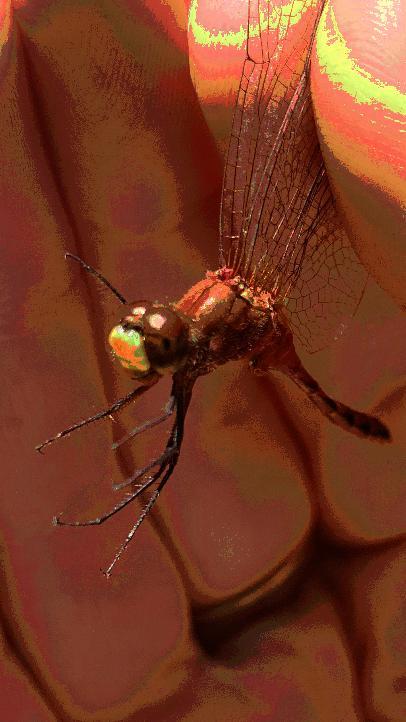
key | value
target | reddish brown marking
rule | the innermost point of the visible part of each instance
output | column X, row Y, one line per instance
column 207, row 301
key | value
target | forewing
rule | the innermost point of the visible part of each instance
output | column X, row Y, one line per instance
column 279, row 228
column 278, row 37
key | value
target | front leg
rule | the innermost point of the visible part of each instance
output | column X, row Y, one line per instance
column 279, row 354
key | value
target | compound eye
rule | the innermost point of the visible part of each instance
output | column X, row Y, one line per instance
column 163, row 321
column 137, row 312
column 128, row 346
column 166, row 336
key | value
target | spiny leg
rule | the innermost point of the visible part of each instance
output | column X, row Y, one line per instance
column 124, row 545
column 121, row 505
column 164, row 457
column 147, row 425
column 179, row 400
column 174, row 442
column 172, row 449
column 98, row 275
column 176, row 437
column 167, row 461
column 101, row 415
column 142, row 516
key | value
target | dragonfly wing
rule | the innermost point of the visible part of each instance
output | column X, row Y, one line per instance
column 278, row 222
column 329, row 281
column 278, row 40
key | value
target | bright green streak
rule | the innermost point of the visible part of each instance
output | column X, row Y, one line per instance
column 284, row 17
column 130, row 337
column 204, row 36
column 335, row 57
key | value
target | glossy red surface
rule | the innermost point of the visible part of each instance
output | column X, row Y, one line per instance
column 206, row 301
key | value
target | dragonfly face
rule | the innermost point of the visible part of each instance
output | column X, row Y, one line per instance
column 150, row 339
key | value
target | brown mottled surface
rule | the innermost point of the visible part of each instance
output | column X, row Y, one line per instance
column 270, row 584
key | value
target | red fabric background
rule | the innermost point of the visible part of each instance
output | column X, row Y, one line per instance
column 270, row 584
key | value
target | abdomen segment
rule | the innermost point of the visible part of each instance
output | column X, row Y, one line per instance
column 357, row 422
column 282, row 357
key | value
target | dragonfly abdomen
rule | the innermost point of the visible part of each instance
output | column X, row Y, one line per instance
column 356, row 422
column 278, row 353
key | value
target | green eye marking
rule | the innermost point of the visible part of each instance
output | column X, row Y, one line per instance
column 128, row 347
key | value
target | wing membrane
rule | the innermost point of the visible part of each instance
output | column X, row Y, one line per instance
column 279, row 229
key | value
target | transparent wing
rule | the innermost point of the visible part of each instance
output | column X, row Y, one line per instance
column 325, row 281
column 278, row 226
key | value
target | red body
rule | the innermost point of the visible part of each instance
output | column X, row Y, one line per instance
column 229, row 321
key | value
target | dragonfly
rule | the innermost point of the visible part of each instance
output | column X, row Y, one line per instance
column 287, row 273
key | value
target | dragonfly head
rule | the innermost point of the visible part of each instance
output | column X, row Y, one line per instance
column 151, row 338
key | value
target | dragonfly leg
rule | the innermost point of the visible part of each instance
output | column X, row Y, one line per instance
column 287, row 361
column 174, row 443
column 101, row 415
column 141, row 517
column 179, row 400
column 131, row 533
column 169, row 452
column 166, row 462
column 147, row 425
column 108, row 514
column 163, row 461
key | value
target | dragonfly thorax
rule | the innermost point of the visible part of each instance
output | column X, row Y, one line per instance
column 152, row 338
